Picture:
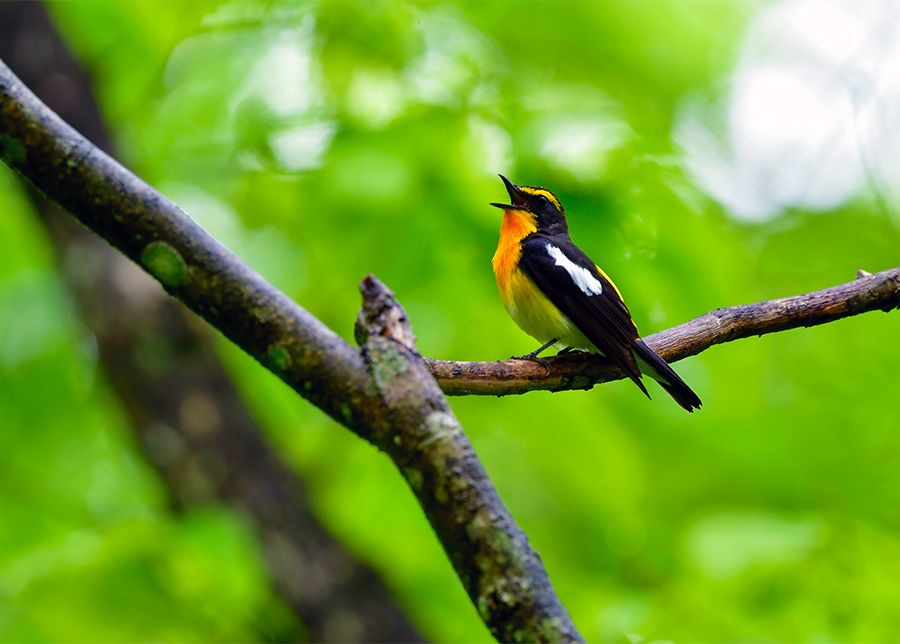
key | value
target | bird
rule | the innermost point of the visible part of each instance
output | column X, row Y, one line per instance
column 560, row 297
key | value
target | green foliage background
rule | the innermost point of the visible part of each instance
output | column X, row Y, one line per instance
column 325, row 141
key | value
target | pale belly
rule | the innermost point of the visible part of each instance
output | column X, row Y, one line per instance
column 537, row 316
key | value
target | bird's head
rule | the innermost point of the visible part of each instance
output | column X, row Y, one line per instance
column 539, row 204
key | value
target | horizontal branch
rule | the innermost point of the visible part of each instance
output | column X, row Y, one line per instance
column 880, row 291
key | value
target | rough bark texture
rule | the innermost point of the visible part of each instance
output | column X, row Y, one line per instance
column 191, row 265
column 184, row 410
column 379, row 392
column 878, row 292
column 503, row 575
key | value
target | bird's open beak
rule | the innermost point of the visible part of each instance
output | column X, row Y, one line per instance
column 516, row 198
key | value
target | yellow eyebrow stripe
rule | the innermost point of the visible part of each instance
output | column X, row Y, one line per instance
column 541, row 191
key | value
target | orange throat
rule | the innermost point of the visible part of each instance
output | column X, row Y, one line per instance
column 516, row 226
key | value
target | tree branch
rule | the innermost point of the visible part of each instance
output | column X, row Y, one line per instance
column 880, row 291
column 383, row 393
column 193, row 427
column 489, row 551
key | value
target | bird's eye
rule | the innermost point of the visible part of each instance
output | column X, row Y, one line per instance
column 543, row 200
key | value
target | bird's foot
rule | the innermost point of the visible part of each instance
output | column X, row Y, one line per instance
column 532, row 357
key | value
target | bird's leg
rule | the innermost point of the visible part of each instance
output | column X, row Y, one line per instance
column 533, row 356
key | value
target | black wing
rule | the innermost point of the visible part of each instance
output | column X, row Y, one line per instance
column 589, row 300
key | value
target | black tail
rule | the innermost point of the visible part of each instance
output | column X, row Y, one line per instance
column 659, row 370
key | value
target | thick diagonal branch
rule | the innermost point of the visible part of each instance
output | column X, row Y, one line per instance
column 183, row 408
column 383, row 393
column 878, row 292
column 502, row 573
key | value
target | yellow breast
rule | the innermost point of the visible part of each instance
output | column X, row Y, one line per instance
column 524, row 301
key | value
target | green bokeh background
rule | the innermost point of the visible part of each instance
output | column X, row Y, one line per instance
column 325, row 141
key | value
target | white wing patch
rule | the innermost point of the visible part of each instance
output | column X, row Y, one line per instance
column 582, row 277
